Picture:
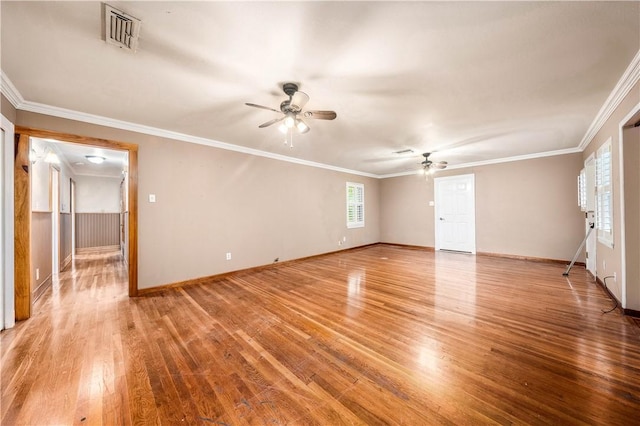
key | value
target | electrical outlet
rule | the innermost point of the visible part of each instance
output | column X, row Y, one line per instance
column 614, row 277
column 37, row 273
column 228, row 256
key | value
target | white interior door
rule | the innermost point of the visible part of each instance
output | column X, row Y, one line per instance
column 455, row 213
column 7, row 309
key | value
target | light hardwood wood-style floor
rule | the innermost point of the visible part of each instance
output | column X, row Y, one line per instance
column 379, row 335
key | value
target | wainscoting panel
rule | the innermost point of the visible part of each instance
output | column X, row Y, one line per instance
column 65, row 239
column 97, row 229
column 125, row 248
column 41, row 256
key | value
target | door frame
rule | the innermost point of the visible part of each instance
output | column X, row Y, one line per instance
column 72, row 209
column 471, row 179
column 55, row 220
column 23, row 223
column 591, row 247
column 623, row 232
column 7, row 288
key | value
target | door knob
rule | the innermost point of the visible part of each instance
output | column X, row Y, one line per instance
column 442, row 218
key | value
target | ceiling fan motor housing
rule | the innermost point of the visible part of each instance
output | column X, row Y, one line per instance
column 290, row 88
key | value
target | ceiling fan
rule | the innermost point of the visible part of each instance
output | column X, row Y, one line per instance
column 292, row 113
column 431, row 166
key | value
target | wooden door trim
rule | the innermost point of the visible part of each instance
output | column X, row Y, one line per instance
column 22, row 227
column 22, row 215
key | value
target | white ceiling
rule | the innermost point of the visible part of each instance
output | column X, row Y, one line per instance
column 474, row 81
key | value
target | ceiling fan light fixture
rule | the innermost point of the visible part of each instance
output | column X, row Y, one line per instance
column 95, row 159
column 291, row 109
column 301, row 126
column 290, row 121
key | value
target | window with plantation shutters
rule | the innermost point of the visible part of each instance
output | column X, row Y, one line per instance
column 582, row 190
column 604, row 189
column 355, row 205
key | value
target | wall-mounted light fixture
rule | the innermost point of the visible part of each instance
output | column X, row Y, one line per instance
column 48, row 156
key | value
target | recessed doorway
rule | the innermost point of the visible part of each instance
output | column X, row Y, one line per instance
column 24, row 279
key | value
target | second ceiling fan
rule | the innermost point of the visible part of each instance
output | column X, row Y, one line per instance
column 292, row 113
column 431, row 166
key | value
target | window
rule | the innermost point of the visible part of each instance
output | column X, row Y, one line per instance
column 582, row 190
column 604, row 190
column 355, row 205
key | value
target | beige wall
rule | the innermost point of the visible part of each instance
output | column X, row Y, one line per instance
column 406, row 215
column 7, row 109
column 609, row 260
column 97, row 194
column 212, row 201
column 523, row 208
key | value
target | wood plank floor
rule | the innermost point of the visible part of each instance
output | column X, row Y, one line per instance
column 380, row 335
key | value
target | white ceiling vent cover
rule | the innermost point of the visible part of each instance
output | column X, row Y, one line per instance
column 120, row 29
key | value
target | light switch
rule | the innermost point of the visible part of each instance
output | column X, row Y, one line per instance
column 152, row 198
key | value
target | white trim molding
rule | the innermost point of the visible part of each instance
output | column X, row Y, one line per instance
column 12, row 94
column 495, row 161
column 623, row 231
column 624, row 86
column 10, row 91
column 7, row 298
column 169, row 134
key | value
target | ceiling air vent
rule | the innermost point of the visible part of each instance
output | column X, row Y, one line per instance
column 120, row 29
column 404, row 151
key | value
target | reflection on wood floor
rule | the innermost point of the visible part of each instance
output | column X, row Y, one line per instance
column 379, row 335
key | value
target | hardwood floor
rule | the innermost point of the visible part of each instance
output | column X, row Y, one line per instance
column 380, row 335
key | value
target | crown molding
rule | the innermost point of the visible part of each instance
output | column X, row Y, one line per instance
column 154, row 131
column 495, row 161
column 10, row 91
column 16, row 99
column 517, row 158
column 623, row 87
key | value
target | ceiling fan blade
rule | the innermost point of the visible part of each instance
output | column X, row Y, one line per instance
column 320, row 115
column 299, row 100
column 260, row 106
column 270, row 122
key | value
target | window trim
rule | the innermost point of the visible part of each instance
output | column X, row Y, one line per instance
column 356, row 205
column 582, row 190
column 604, row 193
